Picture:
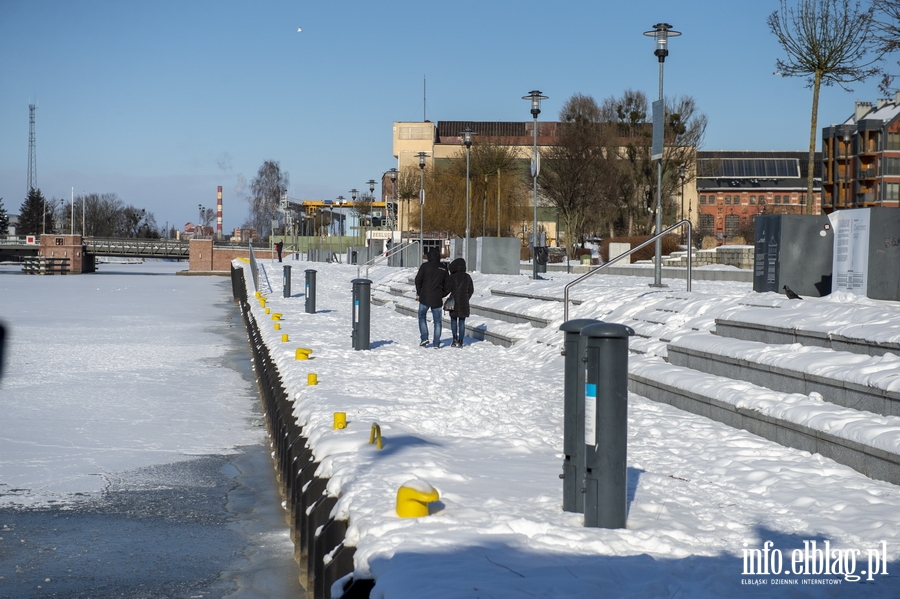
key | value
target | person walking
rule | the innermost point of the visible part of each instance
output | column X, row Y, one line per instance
column 278, row 248
column 432, row 285
column 462, row 289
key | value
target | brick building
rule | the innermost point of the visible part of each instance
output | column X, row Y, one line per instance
column 735, row 186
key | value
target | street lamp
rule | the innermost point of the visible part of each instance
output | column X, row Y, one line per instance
column 661, row 32
column 846, row 170
column 393, row 211
column 200, row 222
column 535, row 97
column 422, row 156
column 681, row 173
column 466, row 135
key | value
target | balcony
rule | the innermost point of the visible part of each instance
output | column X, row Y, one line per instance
column 867, row 173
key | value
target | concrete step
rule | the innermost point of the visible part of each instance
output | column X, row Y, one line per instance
column 874, row 331
column 867, row 443
column 543, row 298
column 873, row 384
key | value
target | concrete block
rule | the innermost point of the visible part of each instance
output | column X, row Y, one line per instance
column 843, row 455
column 796, row 439
column 882, row 469
column 497, row 255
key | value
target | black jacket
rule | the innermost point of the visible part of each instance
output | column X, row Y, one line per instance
column 461, row 287
column 432, row 281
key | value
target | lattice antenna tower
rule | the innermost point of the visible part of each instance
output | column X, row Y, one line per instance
column 32, row 152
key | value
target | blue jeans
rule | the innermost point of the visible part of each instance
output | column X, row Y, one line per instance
column 423, row 325
column 458, row 328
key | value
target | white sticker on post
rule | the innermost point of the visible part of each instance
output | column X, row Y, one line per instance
column 590, row 414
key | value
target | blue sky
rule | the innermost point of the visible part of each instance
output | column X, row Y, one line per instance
column 162, row 101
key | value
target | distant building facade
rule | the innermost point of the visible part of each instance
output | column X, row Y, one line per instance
column 861, row 158
column 733, row 187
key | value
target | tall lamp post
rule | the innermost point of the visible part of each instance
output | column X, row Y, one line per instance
column 846, row 203
column 422, row 156
column 682, row 171
column 466, row 135
column 392, row 213
column 200, row 221
column 662, row 32
column 371, row 184
column 535, row 97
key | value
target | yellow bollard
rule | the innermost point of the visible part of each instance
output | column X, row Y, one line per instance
column 302, row 353
column 312, row 379
column 276, row 316
column 258, row 294
column 284, row 337
column 340, row 420
column 413, row 498
column 375, row 436
column 268, row 310
column 277, row 326
column 262, row 303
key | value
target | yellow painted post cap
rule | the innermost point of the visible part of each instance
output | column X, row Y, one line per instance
column 312, row 379
column 276, row 316
column 340, row 420
column 268, row 309
column 258, row 294
column 277, row 326
column 284, row 337
column 413, row 498
column 302, row 353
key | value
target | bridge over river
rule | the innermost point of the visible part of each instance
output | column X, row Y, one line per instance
column 14, row 248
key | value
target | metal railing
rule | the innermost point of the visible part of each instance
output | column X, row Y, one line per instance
column 683, row 223
column 382, row 257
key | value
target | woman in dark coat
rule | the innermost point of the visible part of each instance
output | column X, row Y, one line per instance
column 462, row 289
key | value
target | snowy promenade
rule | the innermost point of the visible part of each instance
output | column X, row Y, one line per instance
column 132, row 458
column 483, row 425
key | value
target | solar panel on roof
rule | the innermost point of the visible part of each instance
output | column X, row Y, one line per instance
column 752, row 168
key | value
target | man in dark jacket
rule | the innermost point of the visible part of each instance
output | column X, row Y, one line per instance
column 432, row 284
column 461, row 289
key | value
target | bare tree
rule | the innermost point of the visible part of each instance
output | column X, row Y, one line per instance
column 266, row 190
column 887, row 35
column 827, row 42
column 574, row 169
column 362, row 208
column 634, row 179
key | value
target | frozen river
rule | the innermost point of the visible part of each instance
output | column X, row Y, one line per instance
column 133, row 457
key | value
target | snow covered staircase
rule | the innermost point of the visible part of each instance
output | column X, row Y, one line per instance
column 817, row 384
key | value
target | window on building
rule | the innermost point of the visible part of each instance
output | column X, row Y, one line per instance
column 752, row 200
column 893, row 141
column 703, row 200
column 777, row 199
column 728, row 200
column 891, row 166
column 891, row 192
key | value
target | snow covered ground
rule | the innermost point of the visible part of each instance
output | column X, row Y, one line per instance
column 483, row 425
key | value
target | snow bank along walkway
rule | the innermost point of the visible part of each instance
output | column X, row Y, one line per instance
column 821, row 376
column 810, row 375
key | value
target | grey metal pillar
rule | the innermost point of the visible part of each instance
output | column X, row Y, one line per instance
column 573, row 420
column 310, row 291
column 361, row 306
column 606, row 425
column 287, row 280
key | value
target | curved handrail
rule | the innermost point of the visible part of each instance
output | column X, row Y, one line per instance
column 682, row 223
column 382, row 257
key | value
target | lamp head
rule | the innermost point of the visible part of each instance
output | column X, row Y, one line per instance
column 393, row 173
column 535, row 97
column 353, row 193
column 466, row 135
column 662, row 32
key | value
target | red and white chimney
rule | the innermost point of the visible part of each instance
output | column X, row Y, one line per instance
column 219, row 213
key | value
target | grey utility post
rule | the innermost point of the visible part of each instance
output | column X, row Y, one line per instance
column 573, row 421
column 606, row 425
column 287, row 280
column 361, row 306
column 310, row 291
